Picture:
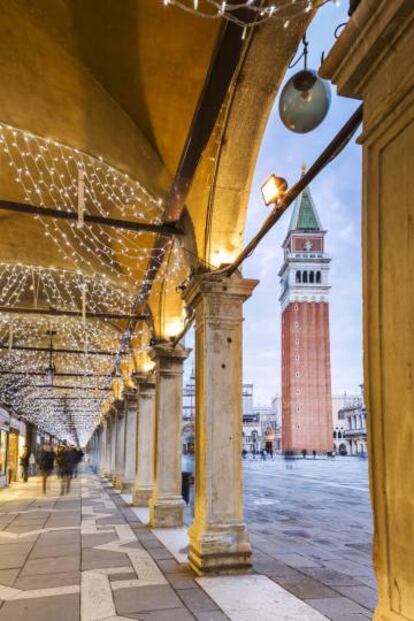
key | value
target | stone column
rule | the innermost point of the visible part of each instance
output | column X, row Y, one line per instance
column 219, row 541
column 167, row 505
column 111, row 444
column 144, row 477
column 372, row 61
column 131, row 423
column 119, row 444
column 102, row 466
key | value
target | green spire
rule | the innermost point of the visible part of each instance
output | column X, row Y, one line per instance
column 304, row 214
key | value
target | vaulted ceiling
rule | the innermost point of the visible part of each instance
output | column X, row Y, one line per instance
column 96, row 108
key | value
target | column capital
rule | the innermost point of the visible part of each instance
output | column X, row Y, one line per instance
column 167, row 350
column 218, row 285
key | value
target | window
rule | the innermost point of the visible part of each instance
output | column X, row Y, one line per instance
column 311, row 277
column 298, row 276
column 318, row 277
column 305, row 277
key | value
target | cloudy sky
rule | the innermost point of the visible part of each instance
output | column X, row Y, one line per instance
column 337, row 195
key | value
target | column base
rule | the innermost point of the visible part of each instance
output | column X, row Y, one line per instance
column 117, row 482
column 167, row 513
column 127, row 487
column 219, row 550
column 141, row 497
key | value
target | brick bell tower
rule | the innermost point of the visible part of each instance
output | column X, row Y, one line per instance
column 306, row 367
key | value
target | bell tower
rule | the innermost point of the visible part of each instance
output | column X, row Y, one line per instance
column 306, row 367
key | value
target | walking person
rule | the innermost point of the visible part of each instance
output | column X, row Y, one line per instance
column 46, row 462
column 63, row 459
column 24, row 462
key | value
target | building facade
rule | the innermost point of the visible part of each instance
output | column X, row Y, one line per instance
column 306, row 369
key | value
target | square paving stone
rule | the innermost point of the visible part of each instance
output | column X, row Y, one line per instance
column 161, row 554
column 181, row 581
column 8, row 576
column 60, row 608
column 51, row 551
column 145, row 599
column 59, row 564
column 307, row 588
column 45, row 581
column 363, row 595
column 197, row 600
column 297, row 560
column 97, row 559
column 90, row 541
column 331, row 577
column 172, row 614
column 336, row 606
column 10, row 561
column 211, row 615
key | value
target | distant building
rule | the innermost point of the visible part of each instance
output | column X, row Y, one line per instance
column 339, row 402
column 260, row 422
column 355, row 416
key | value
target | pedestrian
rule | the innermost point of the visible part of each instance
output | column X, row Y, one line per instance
column 24, row 462
column 314, row 454
column 65, row 462
column 32, row 464
column 46, row 461
column 77, row 459
column 263, row 454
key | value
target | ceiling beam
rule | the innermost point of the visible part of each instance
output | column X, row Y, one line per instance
column 55, row 312
column 60, row 350
column 42, row 374
column 164, row 229
column 62, row 387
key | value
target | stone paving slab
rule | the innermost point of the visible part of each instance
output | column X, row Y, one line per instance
column 100, row 561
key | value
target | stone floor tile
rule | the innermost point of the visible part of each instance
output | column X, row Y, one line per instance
column 61, row 608
column 211, row 615
column 95, row 559
column 11, row 561
column 197, row 600
column 61, row 564
column 50, row 551
column 161, row 554
column 8, row 576
column 332, row 606
column 145, row 599
column 172, row 614
column 90, row 541
column 45, row 581
column 307, row 588
column 297, row 560
column 331, row 577
column 363, row 595
column 181, row 581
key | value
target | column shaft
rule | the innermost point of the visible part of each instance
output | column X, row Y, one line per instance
column 144, row 477
column 131, row 423
column 119, row 445
column 219, row 541
column 167, row 505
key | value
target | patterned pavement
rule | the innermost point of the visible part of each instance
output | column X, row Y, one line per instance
column 87, row 556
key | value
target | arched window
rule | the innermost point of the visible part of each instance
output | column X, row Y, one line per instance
column 298, row 276
column 318, row 277
column 305, row 277
column 311, row 277
column 334, row 434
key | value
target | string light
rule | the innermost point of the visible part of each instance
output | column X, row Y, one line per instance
column 257, row 13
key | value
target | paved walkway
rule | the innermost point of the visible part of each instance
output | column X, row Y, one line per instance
column 88, row 556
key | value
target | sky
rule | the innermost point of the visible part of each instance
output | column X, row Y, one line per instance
column 337, row 195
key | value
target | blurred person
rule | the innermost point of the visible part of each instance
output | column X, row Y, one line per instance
column 24, row 462
column 46, row 462
column 64, row 462
column 77, row 460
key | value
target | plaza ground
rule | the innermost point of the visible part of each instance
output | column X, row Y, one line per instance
column 89, row 555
